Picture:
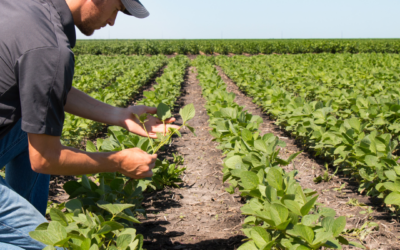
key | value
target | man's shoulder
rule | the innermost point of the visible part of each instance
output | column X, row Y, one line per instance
column 29, row 24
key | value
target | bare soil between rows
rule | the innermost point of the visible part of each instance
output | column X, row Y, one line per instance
column 200, row 214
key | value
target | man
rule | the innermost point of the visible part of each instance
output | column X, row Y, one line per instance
column 36, row 72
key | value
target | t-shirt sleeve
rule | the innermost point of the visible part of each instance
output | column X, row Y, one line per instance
column 45, row 78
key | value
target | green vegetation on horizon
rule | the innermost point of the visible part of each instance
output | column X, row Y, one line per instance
column 236, row 46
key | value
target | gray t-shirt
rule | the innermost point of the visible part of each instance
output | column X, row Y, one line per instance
column 36, row 64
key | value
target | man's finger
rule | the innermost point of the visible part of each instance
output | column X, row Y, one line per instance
column 173, row 126
column 150, row 110
column 170, row 120
column 144, row 175
column 153, row 136
column 147, row 174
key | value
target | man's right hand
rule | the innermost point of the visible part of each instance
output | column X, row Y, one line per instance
column 135, row 163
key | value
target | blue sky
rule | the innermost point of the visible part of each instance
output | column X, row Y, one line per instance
column 246, row 19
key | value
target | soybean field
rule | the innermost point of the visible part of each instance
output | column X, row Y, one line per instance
column 295, row 147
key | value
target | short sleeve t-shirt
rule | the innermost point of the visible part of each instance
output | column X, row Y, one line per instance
column 36, row 64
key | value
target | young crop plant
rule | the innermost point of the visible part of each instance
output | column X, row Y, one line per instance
column 280, row 213
column 344, row 108
column 163, row 113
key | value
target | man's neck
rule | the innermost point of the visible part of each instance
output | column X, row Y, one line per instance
column 75, row 8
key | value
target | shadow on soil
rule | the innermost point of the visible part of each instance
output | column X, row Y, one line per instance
column 158, row 239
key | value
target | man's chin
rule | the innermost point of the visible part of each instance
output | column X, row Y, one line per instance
column 86, row 31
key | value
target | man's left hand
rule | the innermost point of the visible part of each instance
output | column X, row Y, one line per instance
column 153, row 124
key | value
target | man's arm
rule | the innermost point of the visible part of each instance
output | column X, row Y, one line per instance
column 81, row 104
column 49, row 156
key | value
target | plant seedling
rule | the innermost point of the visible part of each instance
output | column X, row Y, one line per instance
column 163, row 113
column 326, row 177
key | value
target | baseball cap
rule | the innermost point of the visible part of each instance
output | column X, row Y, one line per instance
column 135, row 8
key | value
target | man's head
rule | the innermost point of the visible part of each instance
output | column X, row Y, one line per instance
column 91, row 15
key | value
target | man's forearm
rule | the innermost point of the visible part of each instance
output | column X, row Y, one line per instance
column 48, row 156
column 81, row 104
column 71, row 161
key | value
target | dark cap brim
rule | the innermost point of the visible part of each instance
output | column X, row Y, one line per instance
column 135, row 8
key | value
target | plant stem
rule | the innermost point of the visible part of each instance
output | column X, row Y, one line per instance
column 163, row 142
column 148, row 136
column 114, row 234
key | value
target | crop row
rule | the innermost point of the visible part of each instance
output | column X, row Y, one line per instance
column 344, row 107
column 103, row 208
column 114, row 85
column 195, row 47
column 280, row 213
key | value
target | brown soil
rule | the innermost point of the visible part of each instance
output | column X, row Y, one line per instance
column 199, row 215
column 386, row 237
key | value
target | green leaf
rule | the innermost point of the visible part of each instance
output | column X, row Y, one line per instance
column 356, row 244
column 90, row 147
column 249, row 180
column 233, row 162
column 260, row 236
column 371, row 160
column 293, row 206
column 143, row 118
column 123, row 241
column 307, row 207
column 279, row 213
column 94, row 247
column 250, row 245
column 122, row 215
column 321, row 237
column 304, row 232
column 55, row 233
column 57, row 215
column 247, row 135
column 327, row 223
column 338, row 226
column 327, row 211
column 393, row 199
column 191, row 130
column 271, row 193
column 139, row 239
column 85, row 245
column 109, row 226
column 115, row 208
column 292, row 156
column 42, row 236
column 261, row 145
column 42, row 226
column 187, row 113
column 74, row 204
column 49, row 248
column 397, row 185
column 309, row 219
column 274, row 178
column 163, row 111
column 86, row 182
column 355, row 123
